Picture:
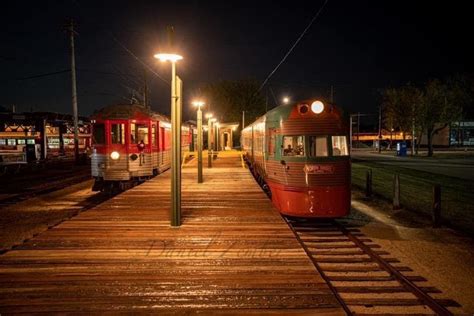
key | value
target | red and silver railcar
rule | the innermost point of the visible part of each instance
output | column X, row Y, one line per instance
column 300, row 153
column 130, row 143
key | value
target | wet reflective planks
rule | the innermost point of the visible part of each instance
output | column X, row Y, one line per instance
column 233, row 254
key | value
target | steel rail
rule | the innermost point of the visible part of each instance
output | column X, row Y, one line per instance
column 404, row 281
column 320, row 270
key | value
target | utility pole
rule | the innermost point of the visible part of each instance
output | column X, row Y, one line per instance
column 74, row 92
column 243, row 119
column 380, row 129
column 350, row 133
column 413, row 133
column 358, row 128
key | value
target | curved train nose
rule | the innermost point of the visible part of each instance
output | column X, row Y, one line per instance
column 320, row 201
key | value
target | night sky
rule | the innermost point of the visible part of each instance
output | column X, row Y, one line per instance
column 358, row 47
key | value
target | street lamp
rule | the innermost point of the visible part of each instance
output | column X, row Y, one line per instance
column 286, row 100
column 209, row 157
column 199, row 104
column 176, row 139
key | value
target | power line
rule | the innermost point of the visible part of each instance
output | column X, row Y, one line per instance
column 130, row 52
column 294, row 45
column 45, row 75
column 139, row 60
column 106, row 72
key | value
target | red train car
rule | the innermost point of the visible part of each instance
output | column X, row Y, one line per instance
column 300, row 153
column 130, row 143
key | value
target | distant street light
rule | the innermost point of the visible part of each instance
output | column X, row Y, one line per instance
column 217, row 137
column 176, row 140
column 199, row 104
column 209, row 127
column 286, row 100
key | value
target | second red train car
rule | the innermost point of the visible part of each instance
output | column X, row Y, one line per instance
column 131, row 143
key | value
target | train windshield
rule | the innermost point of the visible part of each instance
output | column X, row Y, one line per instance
column 98, row 134
column 318, row 146
column 117, row 133
column 293, row 146
column 339, row 146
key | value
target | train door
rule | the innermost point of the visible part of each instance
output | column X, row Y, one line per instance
column 116, row 144
column 162, row 145
column 140, row 142
column 154, row 144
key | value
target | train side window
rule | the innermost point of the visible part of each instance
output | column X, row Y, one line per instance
column 293, row 146
column 98, row 134
column 339, row 146
column 153, row 134
column 30, row 141
column 318, row 146
column 117, row 133
column 11, row 142
column 133, row 130
column 21, row 142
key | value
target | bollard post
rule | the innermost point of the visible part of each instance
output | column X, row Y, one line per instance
column 396, row 192
column 368, row 183
column 436, row 205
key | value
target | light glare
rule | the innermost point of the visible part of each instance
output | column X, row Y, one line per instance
column 198, row 103
column 114, row 155
column 317, row 107
column 168, row 57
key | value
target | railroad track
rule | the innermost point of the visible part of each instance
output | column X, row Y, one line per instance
column 52, row 184
column 364, row 278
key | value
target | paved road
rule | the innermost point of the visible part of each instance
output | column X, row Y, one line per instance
column 462, row 167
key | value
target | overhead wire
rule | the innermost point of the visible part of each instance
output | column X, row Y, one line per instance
column 130, row 52
column 139, row 60
column 294, row 45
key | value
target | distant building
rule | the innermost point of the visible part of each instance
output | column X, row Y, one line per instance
column 458, row 134
column 462, row 134
column 48, row 134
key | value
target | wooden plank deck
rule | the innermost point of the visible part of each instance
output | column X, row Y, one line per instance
column 233, row 254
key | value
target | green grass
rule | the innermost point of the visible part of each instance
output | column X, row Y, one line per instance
column 416, row 191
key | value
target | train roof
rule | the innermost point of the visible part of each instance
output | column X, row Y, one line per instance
column 284, row 110
column 126, row 112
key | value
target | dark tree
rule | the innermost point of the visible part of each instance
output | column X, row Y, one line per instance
column 228, row 99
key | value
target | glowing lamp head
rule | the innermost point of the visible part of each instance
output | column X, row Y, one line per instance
column 198, row 104
column 208, row 115
column 317, row 107
column 114, row 155
column 286, row 100
column 169, row 57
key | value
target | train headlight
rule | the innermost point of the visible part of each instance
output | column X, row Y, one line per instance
column 317, row 107
column 114, row 155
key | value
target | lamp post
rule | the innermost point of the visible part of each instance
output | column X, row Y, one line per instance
column 209, row 127
column 199, row 104
column 176, row 140
column 218, row 145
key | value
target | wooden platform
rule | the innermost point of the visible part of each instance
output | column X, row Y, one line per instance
column 233, row 254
